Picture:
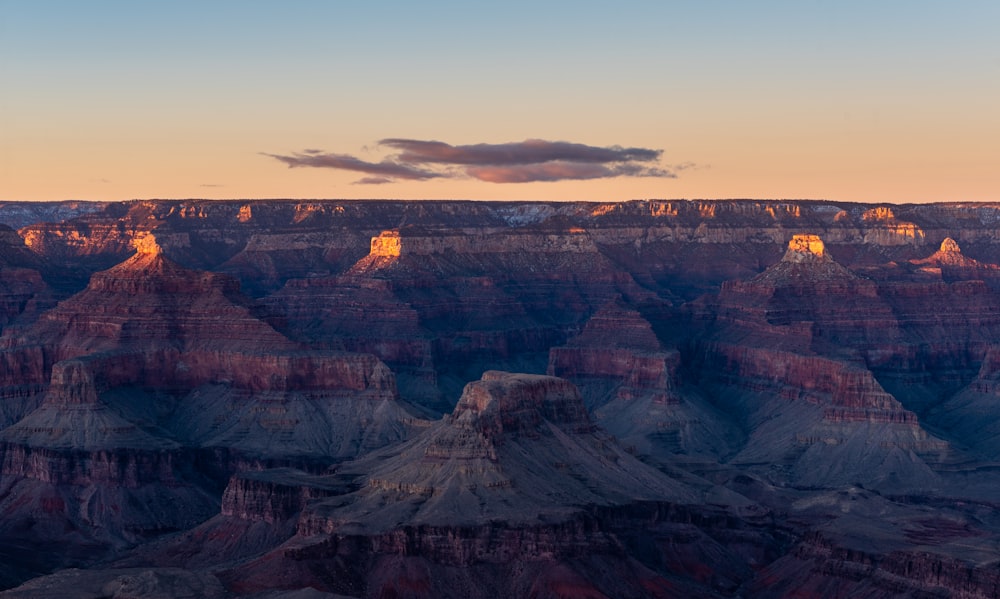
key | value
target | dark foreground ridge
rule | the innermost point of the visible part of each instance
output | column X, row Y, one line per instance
column 499, row 399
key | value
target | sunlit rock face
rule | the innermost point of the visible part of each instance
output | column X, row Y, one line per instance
column 807, row 263
column 145, row 244
column 806, row 248
column 387, row 245
column 949, row 245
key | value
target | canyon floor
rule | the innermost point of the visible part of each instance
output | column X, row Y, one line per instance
column 391, row 399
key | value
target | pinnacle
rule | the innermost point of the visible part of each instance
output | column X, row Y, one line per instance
column 949, row 245
column 950, row 254
column 806, row 260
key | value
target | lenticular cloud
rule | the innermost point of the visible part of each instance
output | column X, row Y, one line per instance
column 526, row 161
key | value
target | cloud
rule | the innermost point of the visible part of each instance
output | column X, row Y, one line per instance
column 561, row 171
column 687, row 166
column 514, row 162
column 386, row 168
column 529, row 151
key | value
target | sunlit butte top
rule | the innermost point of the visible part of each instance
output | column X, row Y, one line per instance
column 806, row 248
column 146, row 244
column 387, row 244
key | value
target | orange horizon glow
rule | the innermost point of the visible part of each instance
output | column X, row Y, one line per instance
column 855, row 102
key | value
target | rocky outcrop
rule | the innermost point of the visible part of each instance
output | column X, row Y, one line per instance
column 147, row 303
column 817, row 567
column 952, row 265
column 808, row 286
column 789, row 350
column 78, row 507
column 826, row 422
column 416, row 300
column 907, row 548
column 320, row 403
column 362, row 315
column 617, row 343
column 812, row 377
column 634, row 389
column 151, row 324
column 270, row 259
column 124, row 467
column 647, row 233
column 517, row 447
column 449, row 252
column 23, row 291
column 809, row 304
column 506, row 404
column 946, row 312
column 594, row 553
column 273, row 495
column 516, row 472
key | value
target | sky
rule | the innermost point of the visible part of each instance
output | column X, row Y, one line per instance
column 889, row 101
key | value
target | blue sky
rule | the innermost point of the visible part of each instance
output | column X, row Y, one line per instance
column 887, row 101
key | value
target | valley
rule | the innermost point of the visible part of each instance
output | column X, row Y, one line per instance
column 286, row 398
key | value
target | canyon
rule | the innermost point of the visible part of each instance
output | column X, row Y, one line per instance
column 286, row 398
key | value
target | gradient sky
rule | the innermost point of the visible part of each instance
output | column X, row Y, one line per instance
column 895, row 101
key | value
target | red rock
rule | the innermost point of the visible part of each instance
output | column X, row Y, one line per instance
column 362, row 315
column 617, row 344
column 160, row 380
column 952, row 265
column 150, row 322
column 765, row 343
column 23, row 292
column 148, row 327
